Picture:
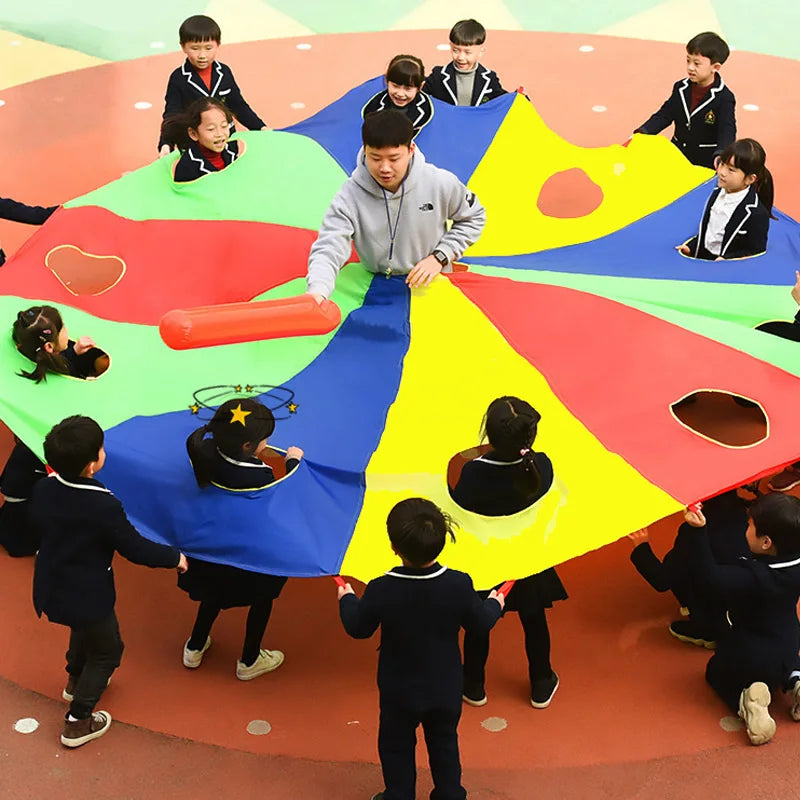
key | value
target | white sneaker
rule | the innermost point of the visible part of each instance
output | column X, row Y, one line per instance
column 192, row 659
column 754, row 710
column 267, row 661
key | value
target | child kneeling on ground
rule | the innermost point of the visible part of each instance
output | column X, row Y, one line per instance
column 759, row 651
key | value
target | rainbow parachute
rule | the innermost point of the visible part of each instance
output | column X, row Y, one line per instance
column 596, row 320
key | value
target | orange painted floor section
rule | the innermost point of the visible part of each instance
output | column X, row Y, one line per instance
column 633, row 716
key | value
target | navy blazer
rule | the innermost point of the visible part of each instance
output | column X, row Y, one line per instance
column 19, row 212
column 82, row 525
column 193, row 164
column 419, row 111
column 420, row 613
column 704, row 133
column 441, row 84
column 185, row 86
column 761, row 593
column 746, row 231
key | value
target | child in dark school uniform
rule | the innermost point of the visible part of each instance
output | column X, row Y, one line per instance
column 464, row 81
column 507, row 479
column 20, row 474
column 679, row 573
column 229, row 458
column 201, row 133
column 19, row 212
column 735, row 222
column 701, row 106
column 40, row 335
column 404, row 78
column 82, row 525
column 420, row 608
column 201, row 75
column 760, row 649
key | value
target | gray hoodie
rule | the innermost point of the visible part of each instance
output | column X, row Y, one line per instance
column 363, row 212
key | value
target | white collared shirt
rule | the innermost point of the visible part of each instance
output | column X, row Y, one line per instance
column 721, row 212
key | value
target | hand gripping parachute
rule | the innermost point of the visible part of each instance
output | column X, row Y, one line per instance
column 595, row 320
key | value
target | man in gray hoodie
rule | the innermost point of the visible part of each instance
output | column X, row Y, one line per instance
column 394, row 208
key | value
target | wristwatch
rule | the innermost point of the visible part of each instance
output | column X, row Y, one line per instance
column 441, row 258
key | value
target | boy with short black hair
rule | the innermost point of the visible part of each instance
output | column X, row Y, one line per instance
column 82, row 525
column 201, row 75
column 464, row 81
column 701, row 106
column 759, row 652
column 394, row 208
column 420, row 608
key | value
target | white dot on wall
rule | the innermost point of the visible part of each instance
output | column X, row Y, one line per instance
column 142, row 105
column 442, row 46
column 731, row 724
column 599, row 109
column 156, row 45
column 303, row 46
column 750, row 107
column 26, row 725
column 494, row 724
column 15, row 42
column 2, row 102
column 586, row 48
column 258, row 727
column 297, row 105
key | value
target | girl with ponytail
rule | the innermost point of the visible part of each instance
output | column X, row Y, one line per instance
column 201, row 133
column 508, row 478
column 226, row 452
column 41, row 336
column 735, row 222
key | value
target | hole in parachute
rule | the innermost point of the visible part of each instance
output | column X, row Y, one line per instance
column 723, row 418
column 569, row 194
column 712, row 261
column 82, row 273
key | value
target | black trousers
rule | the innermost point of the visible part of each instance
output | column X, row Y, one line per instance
column 94, row 653
column 729, row 673
column 257, row 619
column 397, row 741
column 537, row 648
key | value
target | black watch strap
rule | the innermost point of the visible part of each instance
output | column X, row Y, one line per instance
column 441, row 257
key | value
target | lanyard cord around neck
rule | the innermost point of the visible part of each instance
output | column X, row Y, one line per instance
column 393, row 229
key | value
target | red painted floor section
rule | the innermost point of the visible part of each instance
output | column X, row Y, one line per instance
column 633, row 717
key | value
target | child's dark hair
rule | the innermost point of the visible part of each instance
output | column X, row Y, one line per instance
column 467, row 32
column 175, row 127
column 199, row 28
column 387, row 129
column 72, row 445
column 777, row 515
column 405, row 70
column 749, row 156
column 418, row 530
column 229, row 433
column 32, row 329
column 510, row 425
column 710, row 45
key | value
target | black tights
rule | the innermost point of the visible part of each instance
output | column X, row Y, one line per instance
column 537, row 648
column 257, row 619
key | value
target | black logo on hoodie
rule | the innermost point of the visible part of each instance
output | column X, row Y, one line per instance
column 426, row 207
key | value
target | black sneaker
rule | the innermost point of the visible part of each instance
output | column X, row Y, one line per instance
column 378, row 796
column 474, row 696
column 687, row 631
column 542, row 691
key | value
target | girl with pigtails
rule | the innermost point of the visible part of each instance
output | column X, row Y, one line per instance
column 226, row 453
column 41, row 336
column 508, row 478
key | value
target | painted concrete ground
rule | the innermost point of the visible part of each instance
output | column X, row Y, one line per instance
column 633, row 717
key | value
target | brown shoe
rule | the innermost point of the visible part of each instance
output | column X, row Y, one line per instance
column 84, row 730
column 785, row 481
